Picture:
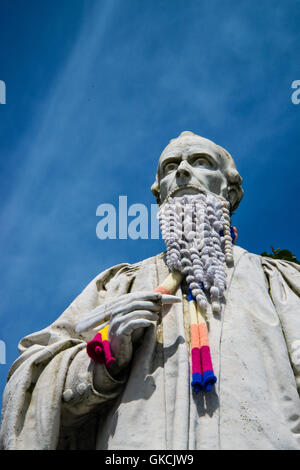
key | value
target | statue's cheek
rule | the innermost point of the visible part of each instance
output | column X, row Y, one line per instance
column 213, row 180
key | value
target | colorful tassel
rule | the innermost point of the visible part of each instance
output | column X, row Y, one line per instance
column 195, row 346
column 203, row 377
column 98, row 348
column 170, row 284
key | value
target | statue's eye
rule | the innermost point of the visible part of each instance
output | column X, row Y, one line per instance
column 202, row 160
column 171, row 166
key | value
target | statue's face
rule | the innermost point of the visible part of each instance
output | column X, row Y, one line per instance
column 189, row 164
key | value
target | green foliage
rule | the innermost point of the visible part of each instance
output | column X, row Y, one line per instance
column 281, row 254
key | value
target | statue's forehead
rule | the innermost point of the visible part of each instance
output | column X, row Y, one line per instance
column 191, row 145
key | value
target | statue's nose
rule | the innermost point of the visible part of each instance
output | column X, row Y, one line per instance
column 183, row 170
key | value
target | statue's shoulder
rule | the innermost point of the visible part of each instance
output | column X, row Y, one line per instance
column 280, row 264
column 272, row 264
column 126, row 269
column 137, row 265
column 268, row 263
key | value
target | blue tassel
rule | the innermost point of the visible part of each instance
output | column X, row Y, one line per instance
column 208, row 380
column 196, row 383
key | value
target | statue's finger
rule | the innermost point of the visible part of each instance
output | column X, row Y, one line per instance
column 95, row 317
column 145, row 305
column 107, row 312
column 120, row 305
column 100, row 314
column 132, row 325
column 170, row 299
column 117, row 322
column 156, row 296
column 146, row 295
column 104, row 311
column 134, row 306
column 90, row 321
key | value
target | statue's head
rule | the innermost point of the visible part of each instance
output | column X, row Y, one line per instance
column 189, row 163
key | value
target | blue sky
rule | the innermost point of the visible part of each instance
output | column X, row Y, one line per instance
column 95, row 90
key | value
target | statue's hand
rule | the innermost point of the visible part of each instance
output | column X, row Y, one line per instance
column 132, row 314
column 128, row 316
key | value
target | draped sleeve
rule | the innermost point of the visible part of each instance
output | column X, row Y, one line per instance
column 283, row 279
column 50, row 386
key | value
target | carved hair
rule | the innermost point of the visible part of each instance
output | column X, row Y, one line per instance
column 235, row 190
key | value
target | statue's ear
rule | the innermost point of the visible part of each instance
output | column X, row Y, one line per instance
column 155, row 190
column 235, row 190
column 232, row 197
column 235, row 194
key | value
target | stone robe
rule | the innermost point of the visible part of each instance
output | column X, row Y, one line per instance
column 50, row 401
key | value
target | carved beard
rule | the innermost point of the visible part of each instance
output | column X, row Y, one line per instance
column 196, row 230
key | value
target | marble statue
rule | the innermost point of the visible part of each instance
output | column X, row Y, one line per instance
column 56, row 397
